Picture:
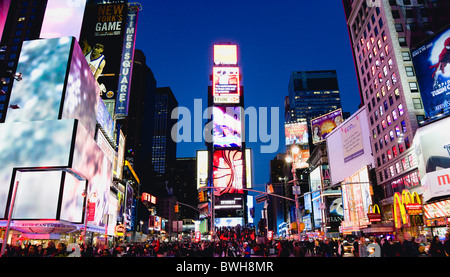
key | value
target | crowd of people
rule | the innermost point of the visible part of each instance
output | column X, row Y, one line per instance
column 240, row 243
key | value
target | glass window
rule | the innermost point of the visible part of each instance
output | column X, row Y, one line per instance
column 400, row 109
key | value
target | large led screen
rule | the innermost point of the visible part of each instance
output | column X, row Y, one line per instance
column 18, row 149
column 432, row 66
column 73, row 200
column 228, row 171
column 226, row 87
column 4, row 8
column 321, row 126
column 225, row 54
column 63, row 18
column 227, row 126
column 296, row 133
column 356, row 197
column 202, row 168
column 43, row 64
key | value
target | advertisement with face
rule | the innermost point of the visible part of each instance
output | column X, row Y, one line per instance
column 334, row 211
column 432, row 66
column 296, row 133
column 101, row 40
column 228, row 171
column 227, row 126
column 226, row 87
column 321, row 126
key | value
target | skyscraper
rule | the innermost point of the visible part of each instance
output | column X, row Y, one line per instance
column 382, row 34
column 312, row 93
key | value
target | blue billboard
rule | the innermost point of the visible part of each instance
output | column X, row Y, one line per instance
column 432, row 66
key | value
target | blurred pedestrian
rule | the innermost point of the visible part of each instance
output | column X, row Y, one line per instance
column 51, row 249
column 409, row 248
column 436, row 248
column 62, row 250
column 32, row 251
column 447, row 245
column 298, row 250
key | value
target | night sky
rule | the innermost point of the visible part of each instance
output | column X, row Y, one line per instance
column 274, row 38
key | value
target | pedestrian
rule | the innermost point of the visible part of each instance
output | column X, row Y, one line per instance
column 32, row 251
column 40, row 250
column 447, row 245
column 374, row 248
column 298, row 250
column 284, row 251
column 356, row 248
column 363, row 247
column 340, row 249
column 62, row 250
column 51, row 249
column 436, row 248
column 409, row 249
column 246, row 250
column 105, row 253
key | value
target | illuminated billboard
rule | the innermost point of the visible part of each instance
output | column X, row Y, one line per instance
column 47, row 91
column 249, row 168
column 228, row 171
column 432, row 65
column 321, row 126
column 202, row 168
column 4, row 8
column 227, row 126
column 63, row 18
column 296, row 133
column 225, row 54
column 226, row 87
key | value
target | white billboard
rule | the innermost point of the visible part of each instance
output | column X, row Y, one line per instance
column 349, row 148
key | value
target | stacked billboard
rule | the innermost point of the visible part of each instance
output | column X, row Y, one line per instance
column 227, row 158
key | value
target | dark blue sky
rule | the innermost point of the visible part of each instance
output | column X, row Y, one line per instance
column 274, row 38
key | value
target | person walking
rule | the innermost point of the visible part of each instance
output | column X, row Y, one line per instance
column 356, row 248
column 409, row 249
column 447, row 245
column 436, row 248
column 363, row 247
column 298, row 250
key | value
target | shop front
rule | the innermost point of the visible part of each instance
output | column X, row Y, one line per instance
column 437, row 217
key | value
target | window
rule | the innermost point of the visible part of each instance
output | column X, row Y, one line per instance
column 407, row 144
column 381, row 110
column 398, row 27
column 386, row 107
column 381, row 145
column 386, row 48
column 409, row 71
column 379, row 44
column 413, row 87
column 404, row 126
column 388, row 84
column 400, row 148
column 391, row 100
column 402, row 41
column 389, row 120
column 394, row 115
column 406, row 56
column 389, row 155
column 390, row 63
column 386, row 139
column 397, row 131
column 394, row 151
column 383, row 124
column 417, row 103
column 385, row 71
column 400, row 109
column 397, row 93
column 394, row 79
column 391, row 135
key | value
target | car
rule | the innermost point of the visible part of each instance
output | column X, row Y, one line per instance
column 348, row 247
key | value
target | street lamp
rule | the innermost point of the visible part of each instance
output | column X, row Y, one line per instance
column 296, row 189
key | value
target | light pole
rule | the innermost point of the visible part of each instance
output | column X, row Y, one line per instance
column 295, row 150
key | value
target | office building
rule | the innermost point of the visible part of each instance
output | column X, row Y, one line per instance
column 383, row 34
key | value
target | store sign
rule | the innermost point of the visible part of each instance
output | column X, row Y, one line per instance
column 120, row 230
column 437, row 209
column 414, row 208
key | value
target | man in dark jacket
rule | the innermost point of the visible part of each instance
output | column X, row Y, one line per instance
column 409, row 248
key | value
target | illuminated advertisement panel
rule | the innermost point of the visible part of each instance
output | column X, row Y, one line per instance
column 202, row 168
column 40, row 93
column 249, row 168
column 227, row 126
column 296, row 133
column 225, row 54
column 334, row 211
column 228, row 171
column 321, row 126
column 101, row 40
column 432, row 66
column 63, row 18
column 302, row 157
column 128, row 206
column 105, row 120
column 126, row 65
column 53, row 137
column 226, row 87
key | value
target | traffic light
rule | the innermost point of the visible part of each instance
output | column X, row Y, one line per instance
column 201, row 197
column 176, row 208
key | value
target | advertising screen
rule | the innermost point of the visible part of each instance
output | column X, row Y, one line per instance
column 356, row 197
column 226, row 87
column 321, row 126
column 228, row 171
column 40, row 92
column 73, row 200
column 105, row 120
column 249, row 168
column 301, row 159
column 128, row 206
column 63, row 18
column 227, row 126
column 54, row 139
column 4, row 8
column 296, row 133
column 101, row 40
column 354, row 137
column 432, row 66
column 334, row 211
column 202, row 168
column 225, row 54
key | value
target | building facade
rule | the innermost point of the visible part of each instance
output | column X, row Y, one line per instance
column 382, row 34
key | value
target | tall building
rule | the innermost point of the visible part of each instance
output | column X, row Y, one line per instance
column 24, row 22
column 312, row 93
column 382, row 35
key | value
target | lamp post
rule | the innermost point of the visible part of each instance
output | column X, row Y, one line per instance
column 295, row 150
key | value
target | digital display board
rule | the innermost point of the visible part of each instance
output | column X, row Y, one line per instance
column 321, row 126
column 4, row 8
column 227, row 126
column 432, row 66
column 63, row 18
column 225, row 54
column 202, row 168
column 228, row 171
column 296, row 133
column 226, row 82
